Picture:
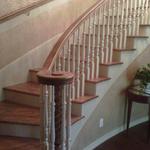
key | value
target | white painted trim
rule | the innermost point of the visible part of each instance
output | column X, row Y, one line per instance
column 113, row 133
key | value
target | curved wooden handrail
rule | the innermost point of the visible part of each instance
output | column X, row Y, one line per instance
column 22, row 10
column 55, row 51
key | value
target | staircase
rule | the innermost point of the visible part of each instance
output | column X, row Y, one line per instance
column 97, row 48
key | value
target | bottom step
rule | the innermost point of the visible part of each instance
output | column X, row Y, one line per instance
column 14, row 143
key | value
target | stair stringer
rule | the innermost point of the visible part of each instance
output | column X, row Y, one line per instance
column 101, row 89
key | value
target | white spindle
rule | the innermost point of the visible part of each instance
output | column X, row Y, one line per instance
column 98, row 43
column 68, row 118
column 73, row 64
column 112, row 30
column 146, row 12
column 83, row 60
column 130, row 18
column 59, row 65
column 42, row 118
column 63, row 59
column 148, row 18
column 93, row 47
column 55, row 67
column 88, row 50
column 45, row 119
column 68, row 57
column 138, row 17
column 106, row 59
column 121, row 24
column 78, row 64
column 103, row 34
column 142, row 11
column 134, row 14
column 52, row 126
column 125, row 30
column 63, row 125
column 117, row 23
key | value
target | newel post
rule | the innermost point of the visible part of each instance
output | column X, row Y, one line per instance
column 55, row 110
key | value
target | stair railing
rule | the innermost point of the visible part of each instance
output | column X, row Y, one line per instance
column 55, row 110
column 86, row 44
column 90, row 41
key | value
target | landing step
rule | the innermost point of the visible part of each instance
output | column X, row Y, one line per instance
column 35, row 70
column 145, row 25
column 84, row 99
column 15, row 143
column 137, row 36
column 112, row 63
column 98, row 80
column 124, row 50
column 21, row 114
column 29, row 88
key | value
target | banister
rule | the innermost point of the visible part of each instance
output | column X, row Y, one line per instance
column 54, row 52
column 87, row 43
column 22, row 10
column 55, row 110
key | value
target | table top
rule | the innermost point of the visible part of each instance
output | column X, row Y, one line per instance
column 135, row 93
column 138, row 91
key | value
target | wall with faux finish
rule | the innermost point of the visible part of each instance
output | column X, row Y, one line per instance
column 112, row 107
column 26, row 40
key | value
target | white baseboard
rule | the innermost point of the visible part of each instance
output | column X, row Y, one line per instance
column 113, row 133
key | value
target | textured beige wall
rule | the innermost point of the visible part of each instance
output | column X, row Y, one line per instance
column 112, row 107
column 26, row 32
column 26, row 40
column 9, row 6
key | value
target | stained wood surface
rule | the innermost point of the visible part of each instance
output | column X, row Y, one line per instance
column 136, row 140
column 14, row 143
column 21, row 114
column 26, row 88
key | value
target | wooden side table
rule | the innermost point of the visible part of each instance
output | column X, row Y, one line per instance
column 135, row 95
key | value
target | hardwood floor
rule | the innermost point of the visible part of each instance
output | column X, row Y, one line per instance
column 135, row 140
column 14, row 143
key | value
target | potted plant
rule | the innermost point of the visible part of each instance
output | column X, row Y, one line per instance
column 143, row 77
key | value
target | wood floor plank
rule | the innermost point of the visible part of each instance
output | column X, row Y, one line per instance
column 15, row 143
column 135, row 140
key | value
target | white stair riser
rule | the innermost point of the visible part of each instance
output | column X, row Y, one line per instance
column 22, row 98
column 134, row 42
column 123, row 56
column 19, row 130
column 143, row 30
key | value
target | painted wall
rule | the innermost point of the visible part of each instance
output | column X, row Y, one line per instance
column 7, row 6
column 113, row 107
column 26, row 40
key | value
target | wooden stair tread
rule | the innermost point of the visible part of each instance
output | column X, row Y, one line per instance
column 123, row 50
column 75, row 118
column 35, row 70
column 112, row 63
column 137, row 36
column 27, row 88
column 84, row 99
column 19, row 143
column 98, row 80
column 21, row 114
column 144, row 24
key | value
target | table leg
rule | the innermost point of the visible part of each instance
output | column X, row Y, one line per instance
column 149, row 124
column 129, row 114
